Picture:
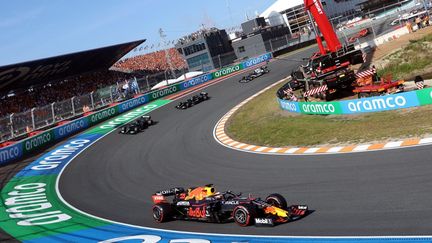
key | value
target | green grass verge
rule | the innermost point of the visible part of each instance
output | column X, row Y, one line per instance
column 262, row 122
column 415, row 57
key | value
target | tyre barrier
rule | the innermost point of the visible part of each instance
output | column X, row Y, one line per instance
column 358, row 106
column 25, row 147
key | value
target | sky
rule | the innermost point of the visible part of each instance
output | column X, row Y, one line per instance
column 35, row 29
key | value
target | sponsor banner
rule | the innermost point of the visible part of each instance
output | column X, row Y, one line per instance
column 196, row 81
column 257, row 60
column 289, row 106
column 38, row 141
column 164, row 92
column 55, row 160
column 70, row 128
column 116, row 233
column 10, row 153
column 320, row 108
column 380, row 103
column 424, row 96
column 30, row 208
column 126, row 117
column 132, row 103
column 226, row 71
column 102, row 115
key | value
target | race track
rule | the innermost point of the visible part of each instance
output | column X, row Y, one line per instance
column 364, row 194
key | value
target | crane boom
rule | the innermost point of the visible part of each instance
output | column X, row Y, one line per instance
column 315, row 8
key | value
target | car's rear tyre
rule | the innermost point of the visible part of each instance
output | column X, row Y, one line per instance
column 244, row 215
column 162, row 212
column 277, row 200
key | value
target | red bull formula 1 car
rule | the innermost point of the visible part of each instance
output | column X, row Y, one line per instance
column 205, row 204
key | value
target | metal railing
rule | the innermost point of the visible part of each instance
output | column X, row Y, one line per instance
column 39, row 118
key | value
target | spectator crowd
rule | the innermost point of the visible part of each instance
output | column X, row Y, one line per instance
column 152, row 62
column 44, row 94
column 47, row 93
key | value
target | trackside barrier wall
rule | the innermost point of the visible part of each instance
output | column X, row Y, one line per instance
column 31, row 210
column 364, row 105
column 24, row 147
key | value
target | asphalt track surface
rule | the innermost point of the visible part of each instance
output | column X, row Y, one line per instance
column 363, row 194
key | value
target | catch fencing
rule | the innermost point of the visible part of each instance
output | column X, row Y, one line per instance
column 69, row 108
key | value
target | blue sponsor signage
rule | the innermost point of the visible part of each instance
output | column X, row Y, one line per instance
column 257, row 60
column 380, row 103
column 116, row 233
column 196, row 81
column 52, row 162
column 71, row 128
column 11, row 153
column 289, row 106
column 132, row 103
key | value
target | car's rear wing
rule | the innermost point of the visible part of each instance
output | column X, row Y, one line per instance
column 170, row 192
column 159, row 196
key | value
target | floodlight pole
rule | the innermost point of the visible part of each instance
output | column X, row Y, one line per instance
column 167, row 56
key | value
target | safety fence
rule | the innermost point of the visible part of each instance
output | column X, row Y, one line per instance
column 39, row 118
column 18, row 125
column 42, row 139
column 364, row 105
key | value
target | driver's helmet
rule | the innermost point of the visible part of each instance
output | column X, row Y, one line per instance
column 210, row 190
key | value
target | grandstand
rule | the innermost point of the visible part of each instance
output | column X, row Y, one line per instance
column 39, row 94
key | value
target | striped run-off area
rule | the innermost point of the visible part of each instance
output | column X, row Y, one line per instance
column 225, row 140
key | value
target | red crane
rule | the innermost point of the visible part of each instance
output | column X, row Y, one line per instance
column 330, row 67
column 315, row 8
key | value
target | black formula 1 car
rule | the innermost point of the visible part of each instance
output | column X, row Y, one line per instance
column 137, row 126
column 204, row 204
column 196, row 99
column 255, row 74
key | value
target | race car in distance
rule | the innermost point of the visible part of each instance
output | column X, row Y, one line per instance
column 205, row 204
column 137, row 126
column 196, row 99
column 255, row 74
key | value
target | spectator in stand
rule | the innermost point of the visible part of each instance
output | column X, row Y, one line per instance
column 418, row 22
column 153, row 62
column 426, row 21
column 48, row 93
column 409, row 26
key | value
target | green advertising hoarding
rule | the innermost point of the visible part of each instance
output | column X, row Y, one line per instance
column 320, row 108
column 424, row 96
column 226, row 71
column 102, row 115
column 163, row 92
column 126, row 117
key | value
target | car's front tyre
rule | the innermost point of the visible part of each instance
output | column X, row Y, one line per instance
column 277, row 200
column 244, row 215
